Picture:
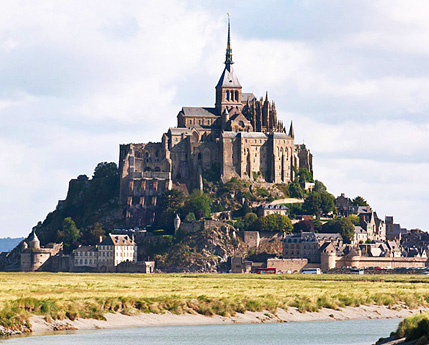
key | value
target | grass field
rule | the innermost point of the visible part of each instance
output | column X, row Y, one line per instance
column 67, row 295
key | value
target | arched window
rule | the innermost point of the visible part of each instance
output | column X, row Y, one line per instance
column 236, row 96
column 199, row 156
column 227, row 95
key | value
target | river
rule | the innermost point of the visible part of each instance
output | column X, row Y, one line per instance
column 295, row 333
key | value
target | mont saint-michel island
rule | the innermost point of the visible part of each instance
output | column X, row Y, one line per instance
column 222, row 221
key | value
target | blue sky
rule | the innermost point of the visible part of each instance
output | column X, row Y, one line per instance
column 78, row 78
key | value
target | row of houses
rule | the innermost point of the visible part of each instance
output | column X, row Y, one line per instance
column 114, row 253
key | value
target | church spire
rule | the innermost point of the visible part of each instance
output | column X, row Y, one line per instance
column 228, row 56
column 291, row 131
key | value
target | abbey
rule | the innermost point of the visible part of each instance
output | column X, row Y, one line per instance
column 239, row 137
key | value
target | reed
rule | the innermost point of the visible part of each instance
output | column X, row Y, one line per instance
column 65, row 295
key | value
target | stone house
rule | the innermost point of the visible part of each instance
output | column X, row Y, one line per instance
column 306, row 245
column 267, row 209
column 361, row 236
column 115, row 249
column 86, row 256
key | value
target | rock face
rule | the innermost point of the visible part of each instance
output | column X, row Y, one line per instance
column 206, row 250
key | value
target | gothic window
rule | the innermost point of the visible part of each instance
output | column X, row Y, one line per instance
column 227, row 95
column 236, row 95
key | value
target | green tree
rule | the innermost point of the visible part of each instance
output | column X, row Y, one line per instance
column 167, row 208
column 354, row 219
column 199, row 203
column 304, row 226
column 312, row 203
column 295, row 190
column 245, row 209
column 342, row 226
column 250, row 220
column 171, row 199
column 327, row 205
column 68, row 234
column 275, row 222
column 105, row 169
column 190, row 217
column 91, row 235
column 304, row 176
column 319, row 187
column 359, row 201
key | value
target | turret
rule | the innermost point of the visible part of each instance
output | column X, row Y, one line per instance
column 33, row 241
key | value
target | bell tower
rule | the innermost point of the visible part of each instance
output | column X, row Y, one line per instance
column 228, row 88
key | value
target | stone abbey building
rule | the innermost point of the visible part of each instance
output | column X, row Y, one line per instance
column 240, row 136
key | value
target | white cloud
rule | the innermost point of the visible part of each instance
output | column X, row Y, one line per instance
column 78, row 78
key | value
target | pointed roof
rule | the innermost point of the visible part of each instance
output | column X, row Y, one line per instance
column 291, row 131
column 228, row 77
column 33, row 237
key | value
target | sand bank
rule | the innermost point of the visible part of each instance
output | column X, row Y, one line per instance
column 40, row 326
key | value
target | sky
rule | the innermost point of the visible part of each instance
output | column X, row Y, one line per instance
column 78, row 78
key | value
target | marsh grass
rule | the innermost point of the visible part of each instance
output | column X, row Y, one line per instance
column 414, row 328
column 71, row 296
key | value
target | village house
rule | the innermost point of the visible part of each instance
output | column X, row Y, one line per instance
column 267, row 209
column 106, row 255
column 306, row 245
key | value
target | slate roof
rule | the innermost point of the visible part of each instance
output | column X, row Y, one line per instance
column 359, row 230
column 253, row 135
column 278, row 135
column 245, row 96
column 330, row 236
column 199, row 111
column 273, row 207
column 86, row 249
column 228, row 78
column 179, row 131
column 117, row 240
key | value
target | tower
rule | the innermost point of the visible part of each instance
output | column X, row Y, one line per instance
column 228, row 88
column 34, row 241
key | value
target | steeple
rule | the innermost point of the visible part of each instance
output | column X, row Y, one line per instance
column 228, row 88
column 228, row 55
column 291, row 131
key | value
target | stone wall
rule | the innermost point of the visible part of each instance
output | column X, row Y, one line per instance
column 252, row 239
column 330, row 261
column 287, row 265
